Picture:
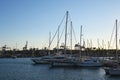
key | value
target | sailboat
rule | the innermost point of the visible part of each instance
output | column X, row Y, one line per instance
column 114, row 71
column 55, row 60
column 43, row 59
column 91, row 63
column 88, row 62
column 63, row 59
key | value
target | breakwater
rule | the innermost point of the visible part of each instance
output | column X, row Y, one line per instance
column 39, row 53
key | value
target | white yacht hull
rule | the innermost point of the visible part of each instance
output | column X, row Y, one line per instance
column 41, row 60
column 90, row 63
column 114, row 72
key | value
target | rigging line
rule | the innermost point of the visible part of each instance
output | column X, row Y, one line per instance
column 69, row 31
column 113, row 44
column 111, row 35
column 70, row 34
column 91, row 43
column 61, row 34
column 57, row 29
column 74, row 33
column 69, row 20
column 118, row 30
column 72, row 28
column 118, row 25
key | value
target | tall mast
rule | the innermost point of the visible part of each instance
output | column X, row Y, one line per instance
column 66, row 32
column 71, row 38
column 26, row 45
column 87, row 43
column 80, row 40
column 116, row 42
column 49, row 42
column 58, row 41
column 91, row 44
column 103, row 45
column 98, row 43
column 16, row 46
column 108, row 45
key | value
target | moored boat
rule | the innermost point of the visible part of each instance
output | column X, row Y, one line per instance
column 90, row 63
column 41, row 60
column 115, row 71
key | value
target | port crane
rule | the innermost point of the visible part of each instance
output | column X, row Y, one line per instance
column 25, row 48
column 4, row 48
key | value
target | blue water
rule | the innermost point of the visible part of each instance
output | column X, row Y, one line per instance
column 24, row 69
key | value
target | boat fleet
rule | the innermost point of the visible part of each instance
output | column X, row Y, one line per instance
column 62, row 61
column 114, row 70
column 110, row 67
column 68, row 61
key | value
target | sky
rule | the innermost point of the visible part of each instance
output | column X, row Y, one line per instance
column 32, row 20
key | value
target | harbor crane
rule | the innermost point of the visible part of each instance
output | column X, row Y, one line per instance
column 4, row 48
column 25, row 48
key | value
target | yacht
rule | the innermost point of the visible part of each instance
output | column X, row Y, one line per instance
column 116, row 69
column 90, row 63
column 41, row 60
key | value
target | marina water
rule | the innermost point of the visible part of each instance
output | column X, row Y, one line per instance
column 25, row 69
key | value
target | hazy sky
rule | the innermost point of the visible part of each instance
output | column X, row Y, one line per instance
column 32, row 20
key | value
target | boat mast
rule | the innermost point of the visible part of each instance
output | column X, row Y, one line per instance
column 58, row 41
column 116, row 42
column 49, row 43
column 103, row 45
column 71, row 38
column 91, row 44
column 66, row 33
column 16, row 46
column 98, row 43
column 80, row 41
